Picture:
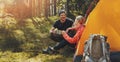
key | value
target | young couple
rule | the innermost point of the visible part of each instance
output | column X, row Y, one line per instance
column 65, row 25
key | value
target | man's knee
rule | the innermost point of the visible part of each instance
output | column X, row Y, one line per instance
column 56, row 37
column 51, row 36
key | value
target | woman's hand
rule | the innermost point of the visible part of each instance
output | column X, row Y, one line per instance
column 63, row 32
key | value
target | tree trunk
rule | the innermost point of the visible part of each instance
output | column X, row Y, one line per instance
column 54, row 7
column 40, row 6
column 67, row 6
column 46, row 8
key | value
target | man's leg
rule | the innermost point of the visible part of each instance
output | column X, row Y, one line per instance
column 55, row 37
column 60, row 45
column 51, row 50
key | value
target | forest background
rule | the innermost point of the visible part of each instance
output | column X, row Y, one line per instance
column 25, row 24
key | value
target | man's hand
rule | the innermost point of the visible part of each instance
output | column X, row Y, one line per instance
column 52, row 30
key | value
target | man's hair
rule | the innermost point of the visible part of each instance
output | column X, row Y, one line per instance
column 62, row 11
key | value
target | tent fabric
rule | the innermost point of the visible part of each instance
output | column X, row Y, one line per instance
column 104, row 20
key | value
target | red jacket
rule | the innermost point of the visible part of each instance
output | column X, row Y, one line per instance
column 76, row 37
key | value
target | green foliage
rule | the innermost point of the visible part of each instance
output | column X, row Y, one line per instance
column 9, row 56
column 31, row 31
column 28, row 46
column 10, row 44
column 19, row 35
column 78, row 7
column 27, row 41
column 53, row 18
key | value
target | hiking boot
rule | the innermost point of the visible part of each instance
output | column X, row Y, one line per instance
column 50, row 50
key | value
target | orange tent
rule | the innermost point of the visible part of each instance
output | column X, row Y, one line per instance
column 105, row 20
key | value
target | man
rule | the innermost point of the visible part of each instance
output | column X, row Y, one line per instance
column 62, row 24
column 68, row 40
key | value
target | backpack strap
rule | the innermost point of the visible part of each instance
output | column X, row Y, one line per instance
column 103, row 45
column 105, row 56
column 88, row 46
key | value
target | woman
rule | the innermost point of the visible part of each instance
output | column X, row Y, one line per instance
column 78, row 26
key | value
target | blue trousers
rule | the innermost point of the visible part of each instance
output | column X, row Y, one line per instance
column 114, row 57
column 62, row 44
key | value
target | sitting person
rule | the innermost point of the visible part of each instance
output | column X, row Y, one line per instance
column 68, row 40
column 62, row 24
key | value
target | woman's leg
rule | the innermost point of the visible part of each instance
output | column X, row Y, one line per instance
column 115, row 56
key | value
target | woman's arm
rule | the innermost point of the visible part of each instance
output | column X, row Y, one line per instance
column 75, row 38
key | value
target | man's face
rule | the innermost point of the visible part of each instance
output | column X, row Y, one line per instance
column 62, row 17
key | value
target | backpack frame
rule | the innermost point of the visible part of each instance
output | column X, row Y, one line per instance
column 96, row 49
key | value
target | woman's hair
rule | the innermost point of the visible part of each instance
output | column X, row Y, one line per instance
column 79, row 17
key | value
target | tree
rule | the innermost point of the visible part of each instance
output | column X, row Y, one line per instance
column 54, row 7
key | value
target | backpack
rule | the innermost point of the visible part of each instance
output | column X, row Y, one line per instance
column 96, row 49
